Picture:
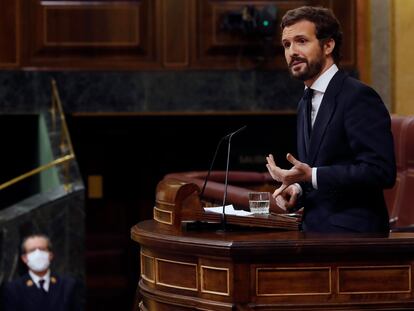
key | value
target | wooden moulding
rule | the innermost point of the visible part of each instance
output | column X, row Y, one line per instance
column 176, row 201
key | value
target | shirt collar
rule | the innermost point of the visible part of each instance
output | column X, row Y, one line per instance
column 322, row 82
column 37, row 278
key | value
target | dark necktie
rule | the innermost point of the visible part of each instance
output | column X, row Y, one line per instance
column 42, row 286
column 307, row 97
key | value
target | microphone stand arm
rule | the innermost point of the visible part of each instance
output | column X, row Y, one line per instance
column 224, row 219
column 228, row 136
column 211, row 166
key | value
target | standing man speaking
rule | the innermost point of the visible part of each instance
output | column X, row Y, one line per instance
column 344, row 140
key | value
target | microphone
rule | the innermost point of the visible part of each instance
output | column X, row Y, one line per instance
column 215, row 155
column 228, row 136
column 224, row 222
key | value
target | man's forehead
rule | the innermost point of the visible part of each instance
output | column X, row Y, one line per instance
column 36, row 241
column 301, row 28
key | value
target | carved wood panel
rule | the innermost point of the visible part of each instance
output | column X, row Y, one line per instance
column 219, row 48
column 90, row 34
column 147, row 34
column 176, row 33
column 9, row 30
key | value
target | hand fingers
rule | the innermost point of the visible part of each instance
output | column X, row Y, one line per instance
column 292, row 159
column 270, row 160
column 281, row 202
column 292, row 200
column 279, row 190
column 276, row 172
column 269, row 168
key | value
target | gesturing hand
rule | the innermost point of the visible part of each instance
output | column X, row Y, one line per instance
column 300, row 172
column 288, row 198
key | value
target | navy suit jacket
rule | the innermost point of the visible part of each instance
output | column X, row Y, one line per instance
column 351, row 145
column 23, row 295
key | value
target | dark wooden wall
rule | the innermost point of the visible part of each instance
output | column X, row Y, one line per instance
column 142, row 34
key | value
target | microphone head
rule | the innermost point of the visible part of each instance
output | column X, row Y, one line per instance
column 236, row 131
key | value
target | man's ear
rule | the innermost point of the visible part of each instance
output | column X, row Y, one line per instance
column 329, row 46
column 50, row 256
column 24, row 258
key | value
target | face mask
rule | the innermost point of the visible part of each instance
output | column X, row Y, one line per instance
column 38, row 260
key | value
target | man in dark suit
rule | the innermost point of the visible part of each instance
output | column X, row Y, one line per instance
column 40, row 289
column 345, row 146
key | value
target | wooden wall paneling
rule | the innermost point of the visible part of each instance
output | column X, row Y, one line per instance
column 345, row 11
column 153, row 34
column 176, row 33
column 220, row 49
column 92, row 34
column 9, row 33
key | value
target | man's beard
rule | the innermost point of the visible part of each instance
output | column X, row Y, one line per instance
column 311, row 70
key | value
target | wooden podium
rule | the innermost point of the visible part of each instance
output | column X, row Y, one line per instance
column 177, row 203
column 260, row 268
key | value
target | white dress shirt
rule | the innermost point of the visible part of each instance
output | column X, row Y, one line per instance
column 37, row 278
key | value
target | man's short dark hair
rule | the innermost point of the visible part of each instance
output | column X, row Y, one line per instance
column 36, row 235
column 326, row 24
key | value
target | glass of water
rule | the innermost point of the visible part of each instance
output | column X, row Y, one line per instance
column 259, row 202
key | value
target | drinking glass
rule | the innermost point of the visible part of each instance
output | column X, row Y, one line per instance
column 259, row 202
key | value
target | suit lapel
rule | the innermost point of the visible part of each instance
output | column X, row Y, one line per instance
column 324, row 115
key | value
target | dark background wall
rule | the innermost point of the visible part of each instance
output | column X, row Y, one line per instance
column 117, row 91
column 23, row 144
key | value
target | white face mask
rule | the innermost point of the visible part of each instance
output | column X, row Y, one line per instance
column 38, row 260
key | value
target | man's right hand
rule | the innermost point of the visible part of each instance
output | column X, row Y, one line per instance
column 287, row 199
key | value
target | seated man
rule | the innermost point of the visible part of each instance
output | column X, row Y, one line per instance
column 40, row 289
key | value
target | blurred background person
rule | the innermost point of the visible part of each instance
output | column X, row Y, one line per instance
column 40, row 289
